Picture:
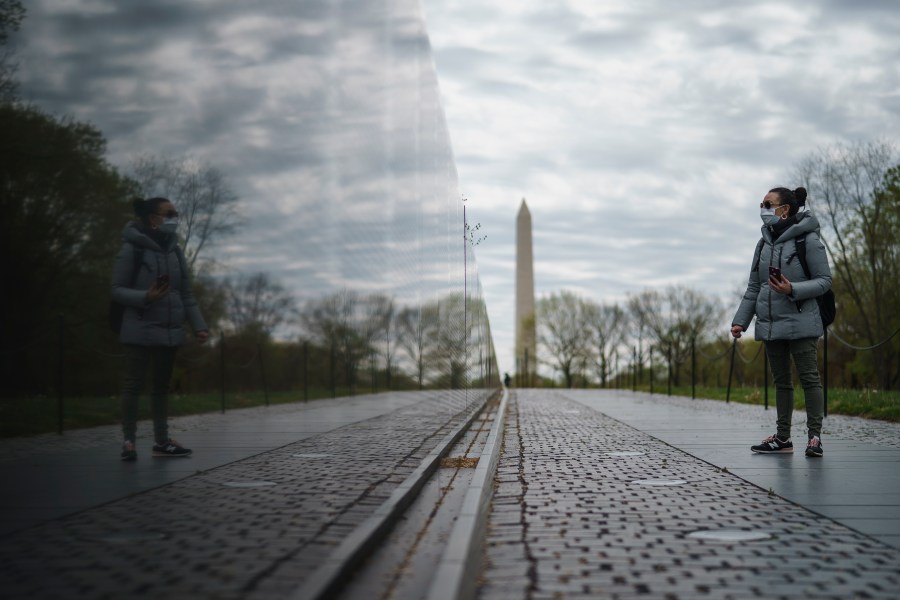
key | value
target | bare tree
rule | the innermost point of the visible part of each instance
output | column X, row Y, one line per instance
column 607, row 324
column 853, row 189
column 675, row 318
column 417, row 335
column 563, row 333
column 204, row 197
column 377, row 331
column 342, row 322
column 258, row 305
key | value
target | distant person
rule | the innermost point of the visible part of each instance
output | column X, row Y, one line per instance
column 150, row 280
column 787, row 315
column 507, row 381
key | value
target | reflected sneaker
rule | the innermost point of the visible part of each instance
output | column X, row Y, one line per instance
column 814, row 447
column 128, row 451
column 773, row 445
column 170, row 448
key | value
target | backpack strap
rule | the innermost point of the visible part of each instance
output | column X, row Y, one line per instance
column 181, row 261
column 800, row 244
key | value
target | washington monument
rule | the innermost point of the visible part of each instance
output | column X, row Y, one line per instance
column 526, row 354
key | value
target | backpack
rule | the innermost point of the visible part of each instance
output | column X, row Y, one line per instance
column 826, row 302
column 116, row 310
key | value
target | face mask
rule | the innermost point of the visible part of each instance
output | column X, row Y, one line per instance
column 169, row 226
column 768, row 216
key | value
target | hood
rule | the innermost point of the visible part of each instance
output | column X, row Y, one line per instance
column 806, row 223
column 134, row 233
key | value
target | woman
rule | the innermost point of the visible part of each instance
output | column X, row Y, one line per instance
column 150, row 280
column 783, row 300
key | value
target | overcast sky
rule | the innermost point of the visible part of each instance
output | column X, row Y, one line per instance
column 644, row 134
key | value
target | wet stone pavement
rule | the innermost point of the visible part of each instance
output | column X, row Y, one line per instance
column 569, row 520
column 254, row 528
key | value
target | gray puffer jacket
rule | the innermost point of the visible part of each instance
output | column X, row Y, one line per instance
column 780, row 316
column 159, row 323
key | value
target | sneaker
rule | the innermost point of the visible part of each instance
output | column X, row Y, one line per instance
column 773, row 445
column 814, row 447
column 128, row 451
column 170, row 448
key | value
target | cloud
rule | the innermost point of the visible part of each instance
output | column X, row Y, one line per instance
column 645, row 134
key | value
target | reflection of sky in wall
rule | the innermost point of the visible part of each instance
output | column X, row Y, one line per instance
column 326, row 119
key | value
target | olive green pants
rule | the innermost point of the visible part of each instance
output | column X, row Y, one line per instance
column 159, row 360
column 803, row 352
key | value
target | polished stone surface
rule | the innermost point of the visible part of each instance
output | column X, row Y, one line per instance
column 856, row 483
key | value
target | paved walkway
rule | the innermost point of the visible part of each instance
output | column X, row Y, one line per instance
column 601, row 494
column 271, row 491
column 258, row 507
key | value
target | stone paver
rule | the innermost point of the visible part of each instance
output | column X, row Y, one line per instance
column 569, row 521
column 198, row 537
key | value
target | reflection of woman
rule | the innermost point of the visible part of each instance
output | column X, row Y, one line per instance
column 787, row 315
column 150, row 280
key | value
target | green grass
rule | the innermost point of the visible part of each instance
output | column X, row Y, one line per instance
column 30, row 416
column 871, row 404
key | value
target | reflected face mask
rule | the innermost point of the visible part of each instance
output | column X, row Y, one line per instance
column 169, row 226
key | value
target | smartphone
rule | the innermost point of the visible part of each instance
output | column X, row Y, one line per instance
column 775, row 272
column 162, row 280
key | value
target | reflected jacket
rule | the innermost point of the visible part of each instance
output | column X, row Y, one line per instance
column 781, row 316
column 159, row 323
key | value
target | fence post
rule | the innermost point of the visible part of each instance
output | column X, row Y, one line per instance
column 765, row 374
column 693, row 369
column 633, row 369
column 305, row 371
column 651, row 370
column 333, row 375
column 669, row 382
column 825, row 380
column 262, row 371
column 60, row 412
column 222, row 365
column 730, row 371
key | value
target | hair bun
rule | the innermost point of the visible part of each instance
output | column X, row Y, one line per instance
column 800, row 195
column 138, row 205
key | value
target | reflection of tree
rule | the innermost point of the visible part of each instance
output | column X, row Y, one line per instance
column 201, row 192
column 453, row 335
column 417, row 335
column 377, row 324
column 62, row 207
column 257, row 305
column 436, row 344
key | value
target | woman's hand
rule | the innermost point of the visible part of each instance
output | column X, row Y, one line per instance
column 781, row 286
column 157, row 292
column 736, row 331
column 201, row 336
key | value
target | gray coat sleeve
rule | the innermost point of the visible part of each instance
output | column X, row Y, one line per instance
column 747, row 308
column 123, row 278
column 191, row 308
column 819, row 272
